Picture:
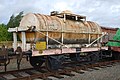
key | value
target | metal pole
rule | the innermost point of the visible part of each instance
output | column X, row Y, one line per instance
column 64, row 17
column 23, row 41
column 14, row 40
column 47, row 39
column 76, row 18
column 62, row 38
column 89, row 38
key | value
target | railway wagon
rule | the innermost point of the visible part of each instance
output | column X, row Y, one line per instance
column 114, row 45
column 110, row 33
column 54, row 38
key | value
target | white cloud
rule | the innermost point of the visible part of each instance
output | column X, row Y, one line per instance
column 115, row 8
column 60, row 6
column 104, row 12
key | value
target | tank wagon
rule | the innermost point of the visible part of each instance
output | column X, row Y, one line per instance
column 53, row 38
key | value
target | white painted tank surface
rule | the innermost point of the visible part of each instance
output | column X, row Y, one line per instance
column 74, row 31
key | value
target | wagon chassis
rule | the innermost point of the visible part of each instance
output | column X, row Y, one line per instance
column 48, row 55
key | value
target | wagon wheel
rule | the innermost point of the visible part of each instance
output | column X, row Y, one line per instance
column 37, row 62
column 74, row 56
column 53, row 63
column 93, row 57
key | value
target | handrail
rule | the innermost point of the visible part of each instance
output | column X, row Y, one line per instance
column 96, row 39
column 52, row 38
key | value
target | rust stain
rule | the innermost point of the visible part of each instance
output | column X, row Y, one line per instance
column 72, row 29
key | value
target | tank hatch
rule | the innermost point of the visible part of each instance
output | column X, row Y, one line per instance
column 68, row 15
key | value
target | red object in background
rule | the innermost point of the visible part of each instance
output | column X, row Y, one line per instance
column 116, row 49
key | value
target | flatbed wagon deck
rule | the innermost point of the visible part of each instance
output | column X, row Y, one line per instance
column 67, row 50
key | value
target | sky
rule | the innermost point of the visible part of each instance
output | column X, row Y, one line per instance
column 104, row 12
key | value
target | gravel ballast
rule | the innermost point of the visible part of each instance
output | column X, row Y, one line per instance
column 107, row 73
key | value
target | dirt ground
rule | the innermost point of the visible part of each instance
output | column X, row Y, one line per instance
column 13, row 65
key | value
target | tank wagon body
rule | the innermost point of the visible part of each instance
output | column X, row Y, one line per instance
column 61, row 29
column 74, row 31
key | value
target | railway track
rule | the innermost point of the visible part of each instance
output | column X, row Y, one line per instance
column 42, row 73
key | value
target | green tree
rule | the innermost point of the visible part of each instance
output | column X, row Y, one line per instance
column 18, row 19
column 15, row 20
column 3, row 33
column 11, row 22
